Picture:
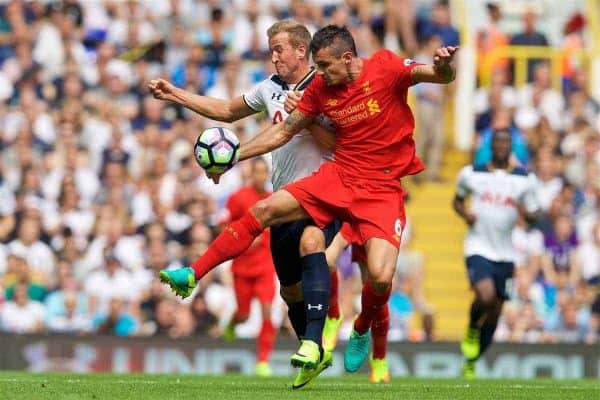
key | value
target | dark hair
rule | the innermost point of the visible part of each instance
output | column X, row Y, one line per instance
column 339, row 39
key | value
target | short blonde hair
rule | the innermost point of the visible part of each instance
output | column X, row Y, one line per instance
column 298, row 33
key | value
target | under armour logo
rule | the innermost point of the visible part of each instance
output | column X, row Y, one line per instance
column 276, row 96
column 317, row 307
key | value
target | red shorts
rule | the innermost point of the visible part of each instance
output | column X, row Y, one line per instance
column 359, row 253
column 373, row 208
column 246, row 288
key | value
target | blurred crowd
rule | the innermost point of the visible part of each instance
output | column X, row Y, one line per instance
column 99, row 188
column 555, row 295
column 98, row 185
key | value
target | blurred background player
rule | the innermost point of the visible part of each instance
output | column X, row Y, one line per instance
column 297, row 247
column 253, row 271
column 499, row 192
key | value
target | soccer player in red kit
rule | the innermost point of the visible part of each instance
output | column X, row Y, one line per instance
column 365, row 99
column 253, row 270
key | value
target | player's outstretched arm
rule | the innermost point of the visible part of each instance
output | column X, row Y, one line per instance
column 209, row 107
column 441, row 71
column 275, row 136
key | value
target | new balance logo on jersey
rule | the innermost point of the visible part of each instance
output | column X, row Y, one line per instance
column 367, row 87
column 317, row 307
column 276, row 96
column 373, row 106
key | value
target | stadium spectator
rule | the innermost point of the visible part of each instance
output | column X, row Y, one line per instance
column 489, row 37
column 540, row 97
column 22, row 315
column 529, row 37
column 38, row 254
column 114, row 321
column 71, row 320
column 440, row 25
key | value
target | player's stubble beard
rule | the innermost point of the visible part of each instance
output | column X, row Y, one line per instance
column 353, row 69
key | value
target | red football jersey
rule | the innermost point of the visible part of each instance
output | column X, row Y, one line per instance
column 374, row 125
column 256, row 260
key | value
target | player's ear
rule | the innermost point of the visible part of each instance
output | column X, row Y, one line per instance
column 347, row 57
column 301, row 51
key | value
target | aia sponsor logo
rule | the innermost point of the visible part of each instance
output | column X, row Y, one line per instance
column 498, row 199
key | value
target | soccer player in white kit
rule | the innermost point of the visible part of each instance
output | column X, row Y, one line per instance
column 499, row 191
column 297, row 247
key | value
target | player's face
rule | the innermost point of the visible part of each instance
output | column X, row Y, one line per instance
column 286, row 58
column 260, row 175
column 501, row 146
column 334, row 70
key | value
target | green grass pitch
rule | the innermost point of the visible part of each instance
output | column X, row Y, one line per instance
column 165, row 387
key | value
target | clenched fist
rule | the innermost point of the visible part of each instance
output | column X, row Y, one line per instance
column 444, row 55
column 162, row 89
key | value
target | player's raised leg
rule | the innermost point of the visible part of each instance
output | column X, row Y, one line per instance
column 278, row 208
column 381, row 260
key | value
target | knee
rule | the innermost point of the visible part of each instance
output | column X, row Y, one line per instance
column 291, row 294
column 312, row 241
column 381, row 276
column 380, row 280
column 487, row 298
column 264, row 211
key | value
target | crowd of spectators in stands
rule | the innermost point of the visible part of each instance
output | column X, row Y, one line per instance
column 98, row 185
column 99, row 188
column 556, row 134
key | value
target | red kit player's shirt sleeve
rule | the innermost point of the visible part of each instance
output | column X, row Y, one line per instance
column 398, row 68
column 310, row 104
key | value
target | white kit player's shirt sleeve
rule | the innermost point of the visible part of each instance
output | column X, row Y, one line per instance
column 254, row 99
column 463, row 189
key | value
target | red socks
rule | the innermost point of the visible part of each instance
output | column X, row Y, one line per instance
column 372, row 302
column 265, row 341
column 235, row 238
column 334, row 306
column 379, row 332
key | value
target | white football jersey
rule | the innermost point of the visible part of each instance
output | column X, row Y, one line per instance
column 495, row 195
column 302, row 155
